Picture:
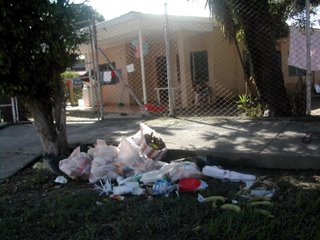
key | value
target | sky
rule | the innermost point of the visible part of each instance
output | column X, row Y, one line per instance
column 114, row 8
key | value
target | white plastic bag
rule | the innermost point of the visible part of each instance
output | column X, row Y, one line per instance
column 131, row 155
column 154, row 150
column 184, row 169
column 77, row 165
column 102, row 171
column 102, row 150
column 104, row 164
column 174, row 171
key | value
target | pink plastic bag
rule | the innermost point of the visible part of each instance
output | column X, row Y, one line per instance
column 77, row 165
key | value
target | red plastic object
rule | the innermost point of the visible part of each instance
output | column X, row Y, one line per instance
column 155, row 108
column 189, row 184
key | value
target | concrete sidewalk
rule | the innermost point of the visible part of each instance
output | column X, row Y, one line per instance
column 258, row 143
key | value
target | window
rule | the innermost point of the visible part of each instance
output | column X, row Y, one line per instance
column 199, row 66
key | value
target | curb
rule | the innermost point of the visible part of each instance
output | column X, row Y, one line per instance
column 245, row 159
column 5, row 125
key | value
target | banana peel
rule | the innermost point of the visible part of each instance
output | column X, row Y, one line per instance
column 261, row 202
column 213, row 199
column 232, row 207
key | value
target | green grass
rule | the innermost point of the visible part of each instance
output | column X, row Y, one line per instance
column 32, row 206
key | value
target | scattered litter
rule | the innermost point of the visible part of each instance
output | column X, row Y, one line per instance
column 191, row 184
column 214, row 199
column 258, row 189
column 201, row 198
column 119, row 179
column 137, row 161
column 163, row 187
column 134, row 178
column 151, row 177
column 150, row 142
column 261, row 205
column 128, row 188
column 104, row 164
column 61, row 180
column 262, row 193
column 173, row 171
column 132, row 184
column 216, row 172
column 116, row 197
column 184, row 169
column 105, row 187
column 77, row 165
column 231, row 207
column 122, row 190
column 131, row 155
column 138, row 191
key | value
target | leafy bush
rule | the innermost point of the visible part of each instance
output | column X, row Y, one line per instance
column 250, row 107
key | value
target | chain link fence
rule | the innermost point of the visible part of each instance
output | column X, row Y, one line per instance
column 11, row 111
column 7, row 109
column 190, row 66
column 186, row 66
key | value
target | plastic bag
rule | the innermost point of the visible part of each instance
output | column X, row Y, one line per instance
column 131, row 155
column 151, row 177
column 104, row 164
column 150, row 142
column 174, row 171
column 78, row 165
column 163, row 187
column 184, row 169
column 102, row 171
column 102, row 150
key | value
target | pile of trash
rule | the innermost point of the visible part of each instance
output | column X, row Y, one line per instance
column 139, row 153
column 135, row 167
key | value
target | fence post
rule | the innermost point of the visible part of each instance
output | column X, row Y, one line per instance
column 16, row 109
column 308, row 59
column 143, row 76
column 13, row 108
column 96, row 68
column 168, row 58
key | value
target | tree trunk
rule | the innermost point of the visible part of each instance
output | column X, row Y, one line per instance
column 260, row 40
column 50, row 123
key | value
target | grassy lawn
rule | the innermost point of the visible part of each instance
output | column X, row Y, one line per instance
column 32, row 206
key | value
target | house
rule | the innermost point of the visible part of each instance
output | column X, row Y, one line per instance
column 132, row 57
